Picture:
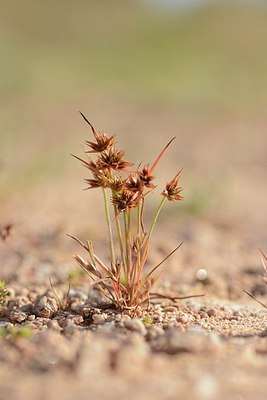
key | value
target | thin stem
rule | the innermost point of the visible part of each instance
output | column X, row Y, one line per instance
column 138, row 241
column 129, row 261
column 155, row 218
column 126, row 245
column 146, row 248
column 119, row 233
column 112, row 253
column 139, row 218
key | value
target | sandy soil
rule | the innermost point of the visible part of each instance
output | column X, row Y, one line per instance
column 204, row 348
column 213, row 347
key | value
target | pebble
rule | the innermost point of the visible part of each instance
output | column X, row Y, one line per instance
column 3, row 312
column 99, row 319
column 170, row 309
column 46, row 307
column 173, row 342
column 154, row 331
column 183, row 319
column 202, row 274
column 75, row 318
column 86, row 311
column 69, row 328
column 212, row 312
column 135, row 325
column 53, row 324
column 18, row 316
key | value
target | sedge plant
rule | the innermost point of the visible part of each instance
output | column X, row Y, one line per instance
column 264, row 278
column 125, row 280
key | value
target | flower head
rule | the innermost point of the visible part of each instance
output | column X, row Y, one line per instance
column 100, row 179
column 146, row 177
column 134, row 183
column 103, row 141
column 125, row 199
column 172, row 190
column 113, row 159
column 116, row 183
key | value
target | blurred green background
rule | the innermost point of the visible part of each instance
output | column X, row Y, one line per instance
column 147, row 72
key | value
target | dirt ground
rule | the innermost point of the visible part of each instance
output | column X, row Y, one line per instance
column 213, row 347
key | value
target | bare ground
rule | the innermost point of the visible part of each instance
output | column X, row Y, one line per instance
column 204, row 348
column 211, row 347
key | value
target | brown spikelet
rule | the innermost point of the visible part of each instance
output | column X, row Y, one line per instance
column 125, row 199
column 103, row 141
column 172, row 190
column 113, row 159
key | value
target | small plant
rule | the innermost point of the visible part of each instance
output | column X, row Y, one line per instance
column 63, row 304
column 15, row 332
column 264, row 263
column 125, row 189
column 3, row 293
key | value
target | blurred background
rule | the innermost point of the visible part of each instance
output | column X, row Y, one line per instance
column 146, row 70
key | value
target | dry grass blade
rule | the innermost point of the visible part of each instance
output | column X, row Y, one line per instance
column 163, row 261
column 160, row 155
column 89, row 123
column 264, row 261
column 174, row 298
column 62, row 305
column 254, row 298
column 78, row 241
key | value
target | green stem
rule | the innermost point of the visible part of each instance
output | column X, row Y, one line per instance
column 126, row 245
column 118, row 226
column 155, row 219
column 146, row 245
column 138, row 232
column 129, row 241
column 112, row 253
column 127, row 233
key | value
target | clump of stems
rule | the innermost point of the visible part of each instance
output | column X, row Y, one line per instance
column 125, row 280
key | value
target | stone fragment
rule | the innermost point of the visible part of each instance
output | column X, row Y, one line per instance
column 135, row 325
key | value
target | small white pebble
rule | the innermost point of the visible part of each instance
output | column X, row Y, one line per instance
column 202, row 274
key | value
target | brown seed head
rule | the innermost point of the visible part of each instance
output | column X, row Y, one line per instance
column 172, row 190
column 100, row 179
column 116, row 183
column 146, row 177
column 134, row 183
column 125, row 199
column 103, row 142
column 113, row 159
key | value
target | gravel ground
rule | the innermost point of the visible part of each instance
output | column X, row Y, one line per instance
column 79, row 346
